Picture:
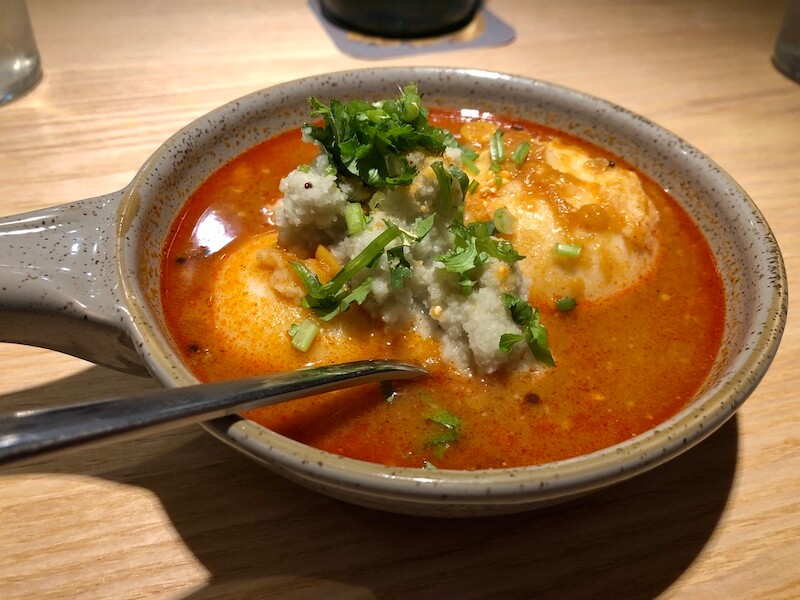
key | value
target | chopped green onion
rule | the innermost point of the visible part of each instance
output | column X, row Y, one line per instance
column 303, row 335
column 468, row 153
column 355, row 218
column 496, row 150
column 445, row 191
column 568, row 250
column 521, row 153
column 366, row 257
column 503, row 220
column 461, row 177
column 411, row 102
column 566, row 304
column 376, row 199
column 473, row 185
column 328, row 300
column 469, row 164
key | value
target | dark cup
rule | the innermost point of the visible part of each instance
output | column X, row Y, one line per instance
column 400, row 18
column 787, row 47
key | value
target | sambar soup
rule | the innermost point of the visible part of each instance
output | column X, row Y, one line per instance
column 561, row 301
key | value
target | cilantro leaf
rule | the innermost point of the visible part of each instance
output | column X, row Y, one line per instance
column 521, row 311
column 422, row 227
column 461, row 259
column 399, row 268
column 473, row 244
column 448, row 420
column 508, row 341
column 534, row 333
column 483, row 234
column 342, row 301
column 536, row 337
column 442, row 440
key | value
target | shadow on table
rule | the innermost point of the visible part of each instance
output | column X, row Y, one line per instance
column 261, row 536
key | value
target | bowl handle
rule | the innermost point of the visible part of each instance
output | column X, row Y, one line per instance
column 59, row 287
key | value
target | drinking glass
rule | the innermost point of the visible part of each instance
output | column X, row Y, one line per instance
column 20, row 65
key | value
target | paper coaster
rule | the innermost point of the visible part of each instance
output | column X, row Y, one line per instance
column 484, row 30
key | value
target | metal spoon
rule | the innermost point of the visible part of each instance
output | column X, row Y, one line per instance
column 25, row 434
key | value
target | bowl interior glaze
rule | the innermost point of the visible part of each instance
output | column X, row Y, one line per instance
column 747, row 254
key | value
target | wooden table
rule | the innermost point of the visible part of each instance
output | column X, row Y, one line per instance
column 181, row 515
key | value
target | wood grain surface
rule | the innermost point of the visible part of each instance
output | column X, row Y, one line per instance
column 180, row 515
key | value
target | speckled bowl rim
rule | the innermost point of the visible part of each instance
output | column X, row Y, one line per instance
column 417, row 490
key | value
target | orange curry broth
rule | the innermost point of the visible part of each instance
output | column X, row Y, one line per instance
column 624, row 364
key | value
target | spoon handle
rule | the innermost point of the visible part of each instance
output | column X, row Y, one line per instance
column 26, row 434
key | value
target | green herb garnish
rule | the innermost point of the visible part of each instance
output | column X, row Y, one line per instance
column 421, row 226
column 521, row 311
column 445, row 190
column 303, row 334
column 332, row 298
column 568, row 250
column 503, row 221
column 343, row 301
column 534, row 333
column 419, row 229
column 376, row 199
column 473, row 244
column 520, row 153
column 469, row 162
column 371, row 141
column 461, row 177
column 399, row 268
column 462, row 259
column 496, row 149
column 355, row 218
column 566, row 304
column 442, row 440
column 483, row 234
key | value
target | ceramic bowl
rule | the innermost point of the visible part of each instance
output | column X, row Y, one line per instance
column 84, row 279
